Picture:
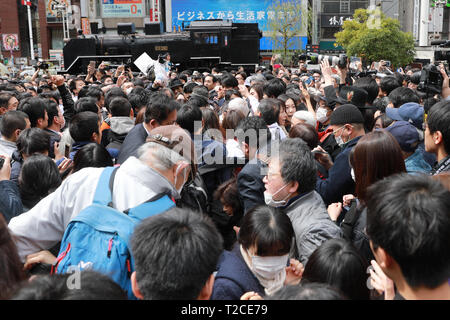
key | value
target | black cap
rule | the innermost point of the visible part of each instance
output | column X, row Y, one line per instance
column 346, row 114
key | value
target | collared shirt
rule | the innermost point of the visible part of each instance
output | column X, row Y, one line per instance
column 276, row 132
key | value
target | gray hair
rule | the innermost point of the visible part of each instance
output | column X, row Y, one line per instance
column 160, row 156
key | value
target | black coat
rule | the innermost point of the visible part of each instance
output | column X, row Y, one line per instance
column 134, row 139
column 250, row 184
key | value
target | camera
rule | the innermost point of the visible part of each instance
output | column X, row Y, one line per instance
column 314, row 58
column 43, row 66
column 430, row 80
column 362, row 74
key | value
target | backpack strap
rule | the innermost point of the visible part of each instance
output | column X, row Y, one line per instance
column 103, row 194
column 156, row 205
column 349, row 221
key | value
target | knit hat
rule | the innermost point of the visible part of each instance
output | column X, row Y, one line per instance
column 346, row 114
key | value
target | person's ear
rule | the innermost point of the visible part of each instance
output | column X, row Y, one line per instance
column 95, row 137
column 153, row 123
column 17, row 133
column 207, row 289
column 294, row 187
column 131, row 113
column 135, row 288
column 437, row 137
column 382, row 257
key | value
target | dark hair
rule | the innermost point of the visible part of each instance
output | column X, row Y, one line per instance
column 306, row 132
column 73, row 83
column 92, row 286
column 381, row 104
column 439, row 120
column 52, row 111
column 359, row 95
column 86, row 104
column 159, row 108
column 408, row 216
column 230, row 92
column 187, row 116
column 95, row 92
column 11, row 121
column 385, row 120
column 274, row 87
column 270, row 110
column 12, row 268
column 83, row 92
column 214, row 79
column 138, row 98
column 370, row 85
column 51, row 95
column 338, row 263
column 403, row 95
column 4, row 100
column 211, row 120
column 33, row 140
column 297, row 164
column 112, row 93
column 35, row 108
column 39, row 176
column 92, row 155
column 227, row 193
column 259, row 90
column 388, row 84
column 257, row 125
column 120, row 107
column 189, row 87
column 376, row 155
column 190, row 237
column 268, row 230
column 229, row 81
column 307, row 291
column 83, row 125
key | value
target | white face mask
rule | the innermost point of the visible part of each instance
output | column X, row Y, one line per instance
column 270, row 271
column 321, row 114
column 128, row 91
column 352, row 173
column 268, row 199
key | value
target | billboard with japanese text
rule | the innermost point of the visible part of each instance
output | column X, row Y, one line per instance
column 123, row 8
column 249, row 11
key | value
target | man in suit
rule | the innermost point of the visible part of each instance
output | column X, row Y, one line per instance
column 160, row 111
column 253, row 136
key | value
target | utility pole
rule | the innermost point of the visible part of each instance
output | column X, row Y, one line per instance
column 423, row 30
column 30, row 27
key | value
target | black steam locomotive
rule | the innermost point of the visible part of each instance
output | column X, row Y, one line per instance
column 201, row 44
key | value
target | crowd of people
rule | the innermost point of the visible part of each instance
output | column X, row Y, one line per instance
column 282, row 184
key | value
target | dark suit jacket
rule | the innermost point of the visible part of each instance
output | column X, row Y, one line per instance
column 250, row 185
column 135, row 138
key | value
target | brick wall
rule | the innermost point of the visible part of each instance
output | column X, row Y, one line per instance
column 9, row 22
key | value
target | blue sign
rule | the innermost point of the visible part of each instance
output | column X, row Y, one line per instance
column 249, row 11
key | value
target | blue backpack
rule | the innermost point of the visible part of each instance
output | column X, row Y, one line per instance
column 98, row 237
